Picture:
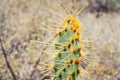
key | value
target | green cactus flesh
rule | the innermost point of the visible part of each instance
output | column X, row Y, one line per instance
column 67, row 59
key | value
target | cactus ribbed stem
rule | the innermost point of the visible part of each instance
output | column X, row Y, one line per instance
column 68, row 50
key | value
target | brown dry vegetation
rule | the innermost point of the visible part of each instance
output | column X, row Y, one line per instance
column 21, row 31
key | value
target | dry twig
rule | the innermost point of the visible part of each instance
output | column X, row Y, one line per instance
column 6, row 60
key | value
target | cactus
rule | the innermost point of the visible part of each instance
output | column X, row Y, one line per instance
column 68, row 51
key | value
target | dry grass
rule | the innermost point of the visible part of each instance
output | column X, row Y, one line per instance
column 22, row 28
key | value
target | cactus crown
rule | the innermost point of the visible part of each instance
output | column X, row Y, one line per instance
column 68, row 50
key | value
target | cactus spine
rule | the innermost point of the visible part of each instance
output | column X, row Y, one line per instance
column 68, row 50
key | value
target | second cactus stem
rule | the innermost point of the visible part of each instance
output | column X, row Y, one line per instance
column 68, row 50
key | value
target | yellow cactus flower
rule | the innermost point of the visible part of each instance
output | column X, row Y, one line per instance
column 72, row 49
column 53, row 65
column 76, row 37
column 70, row 72
column 58, row 31
column 57, row 54
column 80, row 47
column 76, row 60
column 73, row 21
column 68, row 78
column 80, row 70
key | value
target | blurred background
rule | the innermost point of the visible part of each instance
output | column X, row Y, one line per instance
column 24, row 27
